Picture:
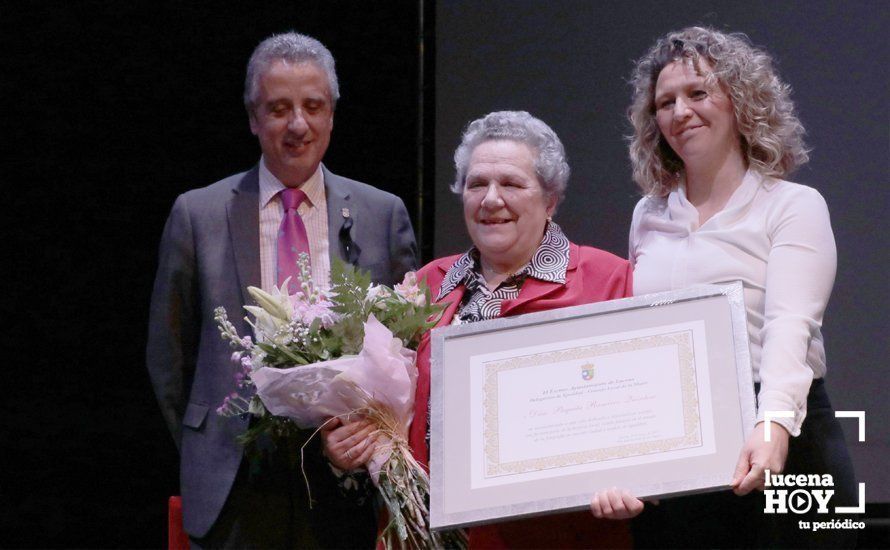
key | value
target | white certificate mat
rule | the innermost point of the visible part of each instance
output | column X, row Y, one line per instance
column 535, row 413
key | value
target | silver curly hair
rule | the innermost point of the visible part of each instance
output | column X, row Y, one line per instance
column 771, row 135
column 550, row 163
column 291, row 47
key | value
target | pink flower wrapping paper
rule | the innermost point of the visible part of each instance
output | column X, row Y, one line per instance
column 382, row 375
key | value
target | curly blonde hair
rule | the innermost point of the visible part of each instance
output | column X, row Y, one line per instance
column 771, row 134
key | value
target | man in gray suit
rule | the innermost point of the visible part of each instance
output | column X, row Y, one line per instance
column 218, row 241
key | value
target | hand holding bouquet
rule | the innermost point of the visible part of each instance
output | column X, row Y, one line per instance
column 335, row 354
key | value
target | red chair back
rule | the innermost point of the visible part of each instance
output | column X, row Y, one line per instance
column 177, row 539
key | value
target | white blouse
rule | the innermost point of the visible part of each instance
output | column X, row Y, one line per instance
column 773, row 235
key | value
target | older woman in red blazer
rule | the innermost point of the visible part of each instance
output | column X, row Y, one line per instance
column 511, row 175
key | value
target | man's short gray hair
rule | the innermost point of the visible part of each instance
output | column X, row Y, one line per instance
column 519, row 126
column 291, row 47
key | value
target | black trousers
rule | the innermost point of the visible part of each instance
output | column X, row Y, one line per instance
column 724, row 520
column 268, row 507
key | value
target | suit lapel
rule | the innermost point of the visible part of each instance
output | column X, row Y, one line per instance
column 339, row 200
column 532, row 290
column 453, row 299
column 244, row 229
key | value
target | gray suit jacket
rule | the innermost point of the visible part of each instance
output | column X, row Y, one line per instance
column 209, row 255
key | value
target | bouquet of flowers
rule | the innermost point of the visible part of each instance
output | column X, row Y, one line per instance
column 320, row 354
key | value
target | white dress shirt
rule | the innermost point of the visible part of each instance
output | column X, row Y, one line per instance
column 314, row 214
column 773, row 235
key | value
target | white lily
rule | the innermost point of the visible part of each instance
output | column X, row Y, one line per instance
column 377, row 292
column 276, row 304
column 265, row 326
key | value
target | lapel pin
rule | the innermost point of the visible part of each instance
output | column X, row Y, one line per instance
column 344, row 212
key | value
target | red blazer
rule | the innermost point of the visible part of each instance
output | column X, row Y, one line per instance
column 592, row 276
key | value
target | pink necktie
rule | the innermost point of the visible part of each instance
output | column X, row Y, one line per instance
column 292, row 239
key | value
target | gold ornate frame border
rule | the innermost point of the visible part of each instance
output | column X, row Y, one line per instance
column 688, row 388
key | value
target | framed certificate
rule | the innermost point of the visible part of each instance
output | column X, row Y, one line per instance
column 533, row 414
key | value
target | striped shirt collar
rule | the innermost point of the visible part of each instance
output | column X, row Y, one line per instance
column 270, row 186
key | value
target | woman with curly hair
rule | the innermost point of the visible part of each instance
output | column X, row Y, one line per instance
column 715, row 134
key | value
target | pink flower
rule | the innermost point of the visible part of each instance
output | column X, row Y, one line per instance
column 410, row 290
column 321, row 310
